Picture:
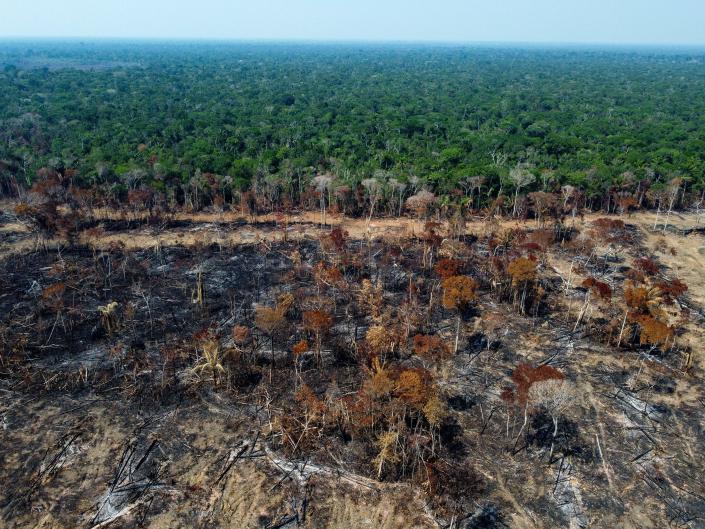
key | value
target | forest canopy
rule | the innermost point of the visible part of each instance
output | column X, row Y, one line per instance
column 161, row 113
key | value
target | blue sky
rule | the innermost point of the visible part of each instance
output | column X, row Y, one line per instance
column 559, row 21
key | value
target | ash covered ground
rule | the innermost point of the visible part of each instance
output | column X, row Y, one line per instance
column 339, row 381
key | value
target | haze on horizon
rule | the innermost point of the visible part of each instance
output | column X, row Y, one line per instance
column 653, row 22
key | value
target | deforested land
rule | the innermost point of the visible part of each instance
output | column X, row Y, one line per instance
column 350, row 286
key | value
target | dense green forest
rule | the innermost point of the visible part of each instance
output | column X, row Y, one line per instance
column 121, row 116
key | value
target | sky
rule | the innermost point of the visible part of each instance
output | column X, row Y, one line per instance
column 618, row 22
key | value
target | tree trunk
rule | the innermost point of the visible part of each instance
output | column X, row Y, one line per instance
column 526, row 420
column 457, row 335
column 271, row 358
column 553, row 440
column 624, row 322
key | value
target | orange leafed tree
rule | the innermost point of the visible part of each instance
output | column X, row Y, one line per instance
column 523, row 272
column 272, row 321
column 653, row 331
column 458, row 293
column 317, row 322
column 302, row 425
column 241, row 334
column 389, row 401
column 644, row 309
column 412, row 388
column 53, row 296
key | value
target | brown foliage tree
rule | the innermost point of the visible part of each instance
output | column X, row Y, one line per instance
column 492, row 323
column 298, row 351
column 382, row 340
column 421, row 203
column 370, row 297
column 327, row 276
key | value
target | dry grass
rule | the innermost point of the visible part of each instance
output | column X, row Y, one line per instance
column 250, row 494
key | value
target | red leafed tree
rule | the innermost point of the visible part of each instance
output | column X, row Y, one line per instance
column 339, row 237
column 524, row 375
column 530, row 384
column 672, row 289
column 594, row 288
column 646, row 266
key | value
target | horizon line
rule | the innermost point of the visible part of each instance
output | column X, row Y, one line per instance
column 326, row 41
